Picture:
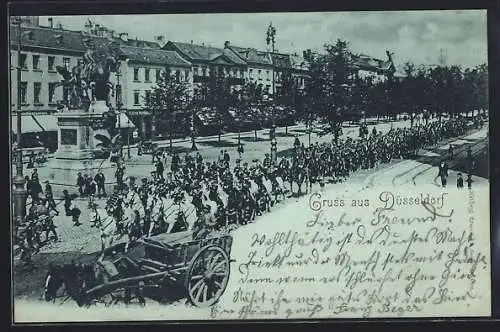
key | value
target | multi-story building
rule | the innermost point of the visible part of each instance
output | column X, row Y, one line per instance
column 141, row 69
column 205, row 59
column 377, row 70
column 300, row 71
column 259, row 66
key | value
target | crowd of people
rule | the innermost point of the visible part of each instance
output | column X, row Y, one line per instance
column 225, row 194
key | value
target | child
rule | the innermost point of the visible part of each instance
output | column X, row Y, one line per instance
column 460, row 181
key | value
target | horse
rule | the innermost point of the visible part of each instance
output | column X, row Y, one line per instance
column 108, row 227
column 68, row 276
column 156, row 205
column 77, row 278
column 299, row 175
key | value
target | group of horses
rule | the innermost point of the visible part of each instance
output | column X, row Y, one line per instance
column 223, row 205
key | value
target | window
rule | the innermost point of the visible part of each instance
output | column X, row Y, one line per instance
column 186, row 75
column 146, row 74
column 158, row 74
column 250, row 73
column 204, row 71
column 37, row 88
column 66, row 62
column 136, row 97
column 22, row 61
column 267, row 73
column 177, row 76
column 136, row 74
column 259, row 74
column 52, row 89
column 36, row 62
column 118, row 96
column 51, row 63
column 242, row 73
column 148, row 96
column 23, row 87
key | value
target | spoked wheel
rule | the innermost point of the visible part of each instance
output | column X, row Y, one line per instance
column 207, row 277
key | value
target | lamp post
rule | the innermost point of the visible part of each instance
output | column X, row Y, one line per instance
column 19, row 192
column 118, row 107
column 193, row 142
column 128, row 138
column 270, row 39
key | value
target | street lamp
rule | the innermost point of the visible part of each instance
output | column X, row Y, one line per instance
column 118, row 106
column 128, row 138
column 193, row 142
column 19, row 192
column 270, row 39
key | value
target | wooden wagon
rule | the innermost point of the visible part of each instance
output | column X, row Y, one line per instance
column 199, row 268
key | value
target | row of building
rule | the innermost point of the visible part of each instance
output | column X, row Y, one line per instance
column 45, row 47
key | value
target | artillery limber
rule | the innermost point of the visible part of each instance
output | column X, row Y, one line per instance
column 198, row 268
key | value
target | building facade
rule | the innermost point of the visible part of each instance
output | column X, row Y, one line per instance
column 205, row 59
column 140, row 71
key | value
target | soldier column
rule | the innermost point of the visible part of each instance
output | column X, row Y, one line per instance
column 19, row 191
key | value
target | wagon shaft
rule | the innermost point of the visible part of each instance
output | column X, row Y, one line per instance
column 117, row 284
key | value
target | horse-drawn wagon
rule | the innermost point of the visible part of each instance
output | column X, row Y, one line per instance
column 159, row 265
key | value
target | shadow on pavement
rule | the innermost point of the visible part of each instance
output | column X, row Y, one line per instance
column 252, row 139
column 221, row 144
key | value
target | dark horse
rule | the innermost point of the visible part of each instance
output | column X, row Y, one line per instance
column 76, row 279
column 298, row 173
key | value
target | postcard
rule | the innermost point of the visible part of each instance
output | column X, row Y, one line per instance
column 250, row 166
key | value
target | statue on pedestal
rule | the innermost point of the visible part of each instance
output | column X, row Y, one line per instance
column 87, row 84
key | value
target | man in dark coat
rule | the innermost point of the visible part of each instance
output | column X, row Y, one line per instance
column 36, row 187
column 80, row 182
column 159, row 168
column 100, row 179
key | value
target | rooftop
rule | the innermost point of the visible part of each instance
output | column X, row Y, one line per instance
column 153, row 56
column 206, row 53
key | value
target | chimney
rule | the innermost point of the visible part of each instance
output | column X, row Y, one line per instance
column 51, row 22
column 160, row 40
column 227, row 44
column 191, row 42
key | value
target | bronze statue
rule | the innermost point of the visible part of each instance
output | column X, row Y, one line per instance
column 88, row 81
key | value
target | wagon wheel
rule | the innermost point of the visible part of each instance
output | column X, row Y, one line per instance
column 207, row 276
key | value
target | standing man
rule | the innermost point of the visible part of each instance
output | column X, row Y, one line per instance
column 100, row 179
column 240, row 149
column 159, row 168
column 36, row 187
column 92, row 190
column 119, row 177
column 80, row 182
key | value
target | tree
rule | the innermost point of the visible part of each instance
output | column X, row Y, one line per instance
column 328, row 91
column 219, row 95
column 252, row 95
column 170, row 96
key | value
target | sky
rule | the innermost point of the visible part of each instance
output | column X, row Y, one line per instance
column 417, row 36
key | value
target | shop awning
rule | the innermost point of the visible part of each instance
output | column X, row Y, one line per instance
column 124, row 122
column 35, row 123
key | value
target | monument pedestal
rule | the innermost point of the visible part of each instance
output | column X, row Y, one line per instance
column 75, row 153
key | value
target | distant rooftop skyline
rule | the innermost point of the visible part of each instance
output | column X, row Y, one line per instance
column 422, row 37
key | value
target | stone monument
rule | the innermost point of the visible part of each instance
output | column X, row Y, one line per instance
column 87, row 134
